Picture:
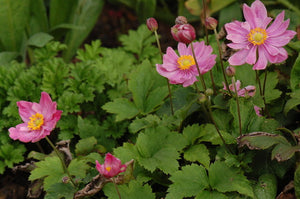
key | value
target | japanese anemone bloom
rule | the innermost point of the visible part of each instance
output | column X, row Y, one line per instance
column 112, row 166
column 242, row 92
column 182, row 69
column 255, row 38
column 39, row 119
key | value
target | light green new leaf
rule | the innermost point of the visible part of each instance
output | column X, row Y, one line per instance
column 39, row 39
column 85, row 146
column 188, row 182
column 14, row 15
column 266, row 187
column 198, row 153
column 133, row 190
column 78, row 168
column 295, row 74
column 51, row 168
column 226, row 179
column 123, row 108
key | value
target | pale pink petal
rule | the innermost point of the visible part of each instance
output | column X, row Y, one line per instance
column 248, row 91
column 25, row 110
column 22, row 133
column 276, row 23
column 251, row 57
column 238, row 58
column 272, row 50
column 238, row 46
column 183, row 49
column 262, row 61
column 237, row 38
column 249, row 16
column 259, row 9
column 281, row 40
column 281, row 29
column 257, row 111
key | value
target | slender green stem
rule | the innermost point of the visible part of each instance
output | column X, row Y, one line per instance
column 238, row 106
column 116, row 188
column 61, row 160
column 200, row 75
column 214, row 123
column 169, row 88
column 204, row 16
column 221, row 61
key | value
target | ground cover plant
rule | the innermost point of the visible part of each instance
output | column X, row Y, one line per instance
column 215, row 116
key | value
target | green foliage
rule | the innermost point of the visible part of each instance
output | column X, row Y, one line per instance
column 266, row 187
column 188, row 182
column 9, row 155
column 60, row 190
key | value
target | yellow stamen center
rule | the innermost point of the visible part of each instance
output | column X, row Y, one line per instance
column 108, row 169
column 36, row 121
column 185, row 62
column 257, row 36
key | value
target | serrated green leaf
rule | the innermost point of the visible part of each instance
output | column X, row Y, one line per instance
column 270, row 92
column 69, row 102
column 11, row 154
column 210, row 194
column 85, row 146
column 146, row 122
column 147, row 88
column 210, row 134
column 192, row 133
column 51, row 169
column 60, row 190
column 297, row 182
column 122, row 107
column 188, row 182
column 226, row 179
column 78, row 167
column 293, row 102
column 133, row 190
column 198, row 153
column 266, row 187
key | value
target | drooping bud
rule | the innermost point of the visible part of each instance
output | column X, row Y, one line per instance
column 230, row 71
column 184, row 33
column 152, row 24
column 211, row 23
column 202, row 98
column 181, row 20
column 209, row 92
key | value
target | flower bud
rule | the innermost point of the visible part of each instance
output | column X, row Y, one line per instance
column 230, row 71
column 211, row 23
column 181, row 20
column 202, row 98
column 184, row 33
column 65, row 179
column 209, row 92
column 152, row 24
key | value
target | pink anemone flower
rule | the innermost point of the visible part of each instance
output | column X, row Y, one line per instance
column 244, row 92
column 112, row 166
column 182, row 69
column 39, row 119
column 256, row 41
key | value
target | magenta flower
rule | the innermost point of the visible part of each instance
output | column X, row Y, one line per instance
column 244, row 92
column 39, row 119
column 257, row 42
column 112, row 166
column 257, row 111
column 182, row 69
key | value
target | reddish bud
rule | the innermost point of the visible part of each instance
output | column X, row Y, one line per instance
column 211, row 23
column 184, row 33
column 230, row 71
column 152, row 24
column 181, row 20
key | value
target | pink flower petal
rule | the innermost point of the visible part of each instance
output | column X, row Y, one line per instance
column 277, row 23
column 251, row 57
column 249, row 16
column 238, row 58
column 25, row 110
column 259, row 9
column 262, row 61
column 281, row 40
column 183, row 49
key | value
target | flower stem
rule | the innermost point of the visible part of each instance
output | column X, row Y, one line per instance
column 204, row 18
column 238, row 106
column 169, row 88
column 61, row 160
column 214, row 123
column 113, row 180
column 200, row 75
column 221, row 61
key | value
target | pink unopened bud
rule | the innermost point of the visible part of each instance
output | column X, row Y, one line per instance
column 230, row 71
column 211, row 23
column 181, row 20
column 184, row 33
column 152, row 24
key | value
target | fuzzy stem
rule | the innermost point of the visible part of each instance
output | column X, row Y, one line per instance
column 200, row 75
column 221, row 61
column 61, row 160
column 238, row 105
column 169, row 88
column 113, row 180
